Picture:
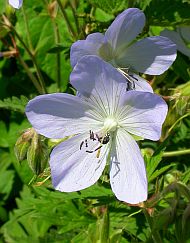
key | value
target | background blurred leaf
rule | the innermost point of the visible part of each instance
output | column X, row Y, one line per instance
column 110, row 6
column 14, row 103
column 167, row 12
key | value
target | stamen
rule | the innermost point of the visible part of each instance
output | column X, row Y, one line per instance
column 129, row 77
column 97, row 148
column 101, row 139
column 92, row 135
column 98, row 154
column 81, row 145
column 90, row 151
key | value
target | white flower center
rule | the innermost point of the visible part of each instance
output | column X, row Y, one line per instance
column 110, row 125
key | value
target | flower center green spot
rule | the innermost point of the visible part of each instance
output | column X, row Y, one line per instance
column 110, row 125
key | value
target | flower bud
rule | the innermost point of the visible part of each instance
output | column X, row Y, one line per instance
column 37, row 155
column 52, row 9
column 186, row 223
column 164, row 218
column 23, row 143
column 102, row 227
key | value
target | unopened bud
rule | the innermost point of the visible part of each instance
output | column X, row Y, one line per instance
column 37, row 155
column 186, row 223
column 52, row 9
column 23, row 143
column 6, row 21
column 74, row 3
column 102, row 227
column 164, row 218
column 12, row 53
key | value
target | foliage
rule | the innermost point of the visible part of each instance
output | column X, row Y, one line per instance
column 35, row 43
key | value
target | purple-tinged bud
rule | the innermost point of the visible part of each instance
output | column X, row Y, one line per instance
column 23, row 143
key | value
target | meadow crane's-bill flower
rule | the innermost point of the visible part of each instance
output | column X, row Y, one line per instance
column 102, row 121
column 16, row 3
column 151, row 55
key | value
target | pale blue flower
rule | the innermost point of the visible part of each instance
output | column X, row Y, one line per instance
column 101, row 121
column 16, row 3
column 181, row 37
column 151, row 55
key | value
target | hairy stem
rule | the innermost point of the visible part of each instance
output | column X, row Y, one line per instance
column 176, row 153
column 27, row 29
column 75, row 18
column 40, row 77
column 155, row 234
column 69, row 26
column 30, row 75
column 58, row 55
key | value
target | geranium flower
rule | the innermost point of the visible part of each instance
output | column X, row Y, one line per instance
column 181, row 37
column 16, row 3
column 101, row 121
column 151, row 55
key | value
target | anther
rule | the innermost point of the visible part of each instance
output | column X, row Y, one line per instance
column 81, row 145
column 92, row 135
column 89, row 151
column 98, row 148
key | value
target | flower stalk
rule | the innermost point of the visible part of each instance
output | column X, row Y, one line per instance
column 69, row 26
column 176, row 153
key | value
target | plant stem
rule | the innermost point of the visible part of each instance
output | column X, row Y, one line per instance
column 69, row 26
column 27, row 29
column 40, row 77
column 75, row 18
column 30, row 74
column 182, row 117
column 176, row 153
column 155, row 234
column 58, row 54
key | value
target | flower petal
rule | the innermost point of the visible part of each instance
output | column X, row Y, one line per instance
column 74, row 169
column 16, row 3
column 176, row 38
column 142, row 114
column 90, row 46
column 141, row 84
column 101, row 83
column 125, row 28
column 184, row 31
column 127, row 174
column 60, row 115
column 152, row 55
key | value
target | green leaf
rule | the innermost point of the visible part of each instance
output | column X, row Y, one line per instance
column 152, row 163
column 163, row 219
column 144, row 4
column 168, row 12
column 58, row 48
column 3, row 5
column 102, row 16
column 6, row 178
column 14, row 103
column 157, row 173
column 3, row 135
column 181, row 66
column 110, row 6
column 186, row 223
